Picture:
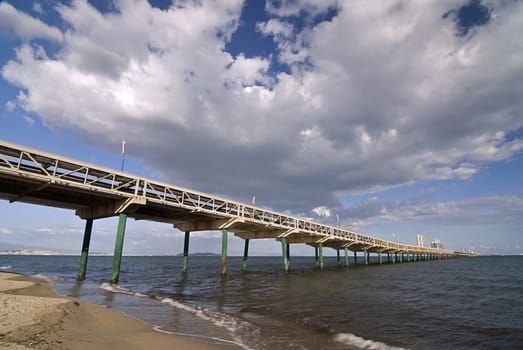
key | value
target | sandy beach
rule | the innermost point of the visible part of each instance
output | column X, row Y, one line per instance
column 32, row 316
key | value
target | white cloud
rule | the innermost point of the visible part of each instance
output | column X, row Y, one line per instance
column 390, row 95
column 10, row 106
column 248, row 71
column 471, row 211
column 29, row 121
column 275, row 27
column 322, row 211
column 287, row 8
column 37, row 7
column 24, row 26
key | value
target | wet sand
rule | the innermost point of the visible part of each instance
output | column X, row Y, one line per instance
column 32, row 316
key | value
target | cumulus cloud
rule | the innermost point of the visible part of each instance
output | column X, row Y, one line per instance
column 471, row 211
column 322, row 211
column 275, row 27
column 28, row 120
column 24, row 26
column 390, row 95
column 287, row 8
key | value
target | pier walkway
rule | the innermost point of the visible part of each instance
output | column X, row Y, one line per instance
column 94, row 192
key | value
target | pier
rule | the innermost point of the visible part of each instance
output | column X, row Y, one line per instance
column 94, row 192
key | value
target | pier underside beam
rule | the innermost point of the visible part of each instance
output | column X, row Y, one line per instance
column 85, row 249
column 208, row 224
column 118, row 247
column 127, row 206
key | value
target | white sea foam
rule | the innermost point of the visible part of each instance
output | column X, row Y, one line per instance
column 48, row 278
column 234, row 326
column 121, row 290
column 362, row 343
column 8, row 267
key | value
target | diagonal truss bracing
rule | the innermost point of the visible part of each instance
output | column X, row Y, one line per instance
column 17, row 162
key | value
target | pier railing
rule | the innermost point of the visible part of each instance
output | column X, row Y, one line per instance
column 37, row 170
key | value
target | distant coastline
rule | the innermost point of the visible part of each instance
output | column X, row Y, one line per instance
column 37, row 252
column 44, row 252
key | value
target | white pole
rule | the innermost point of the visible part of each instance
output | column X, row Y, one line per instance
column 123, row 155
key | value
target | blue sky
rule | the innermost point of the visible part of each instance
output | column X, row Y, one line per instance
column 398, row 118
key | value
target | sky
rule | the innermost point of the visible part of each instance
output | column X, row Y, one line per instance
column 390, row 118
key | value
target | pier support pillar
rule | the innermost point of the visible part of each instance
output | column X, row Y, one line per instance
column 347, row 257
column 355, row 258
column 320, row 251
column 225, row 235
column 85, row 249
column 285, row 254
column 185, row 251
column 338, row 256
column 245, row 253
column 380, row 258
column 118, row 247
column 366, row 256
column 316, row 255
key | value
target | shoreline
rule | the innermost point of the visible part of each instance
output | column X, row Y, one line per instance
column 33, row 316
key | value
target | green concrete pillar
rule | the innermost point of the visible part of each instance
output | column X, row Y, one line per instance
column 118, row 247
column 338, row 256
column 347, row 257
column 85, row 249
column 380, row 258
column 366, row 256
column 285, row 254
column 185, row 251
column 320, row 250
column 401, row 257
column 224, row 251
column 245, row 253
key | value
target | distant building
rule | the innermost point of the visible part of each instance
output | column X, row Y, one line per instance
column 421, row 240
column 436, row 244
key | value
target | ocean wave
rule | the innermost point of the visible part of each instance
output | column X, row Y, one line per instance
column 48, row 278
column 8, row 267
column 121, row 290
column 234, row 326
column 362, row 343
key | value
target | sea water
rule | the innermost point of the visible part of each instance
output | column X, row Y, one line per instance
column 465, row 303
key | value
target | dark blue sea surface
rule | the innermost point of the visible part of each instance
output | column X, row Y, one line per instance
column 466, row 303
